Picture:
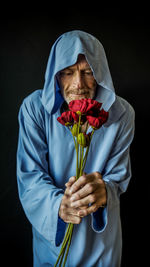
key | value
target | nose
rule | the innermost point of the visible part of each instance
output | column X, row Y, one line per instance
column 78, row 81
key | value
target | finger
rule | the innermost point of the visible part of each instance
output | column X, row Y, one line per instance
column 89, row 210
column 97, row 188
column 96, row 175
column 72, row 179
column 78, row 184
column 84, row 179
column 84, row 191
column 72, row 219
column 83, row 208
column 84, row 201
column 72, row 211
column 71, row 216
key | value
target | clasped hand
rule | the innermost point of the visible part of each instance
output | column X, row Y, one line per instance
column 82, row 197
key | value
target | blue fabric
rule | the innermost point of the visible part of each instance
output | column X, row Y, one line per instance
column 98, row 219
column 61, row 227
column 46, row 159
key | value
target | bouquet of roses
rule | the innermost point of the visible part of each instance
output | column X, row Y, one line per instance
column 81, row 112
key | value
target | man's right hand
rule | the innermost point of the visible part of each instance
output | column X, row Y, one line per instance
column 67, row 213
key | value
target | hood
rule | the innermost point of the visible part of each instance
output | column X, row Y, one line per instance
column 64, row 53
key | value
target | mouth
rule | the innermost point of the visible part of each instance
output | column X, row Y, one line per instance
column 78, row 94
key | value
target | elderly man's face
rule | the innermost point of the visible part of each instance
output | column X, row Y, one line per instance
column 77, row 81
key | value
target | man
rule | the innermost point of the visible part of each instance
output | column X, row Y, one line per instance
column 77, row 68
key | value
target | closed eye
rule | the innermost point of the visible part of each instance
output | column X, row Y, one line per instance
column 66, row 73
column 88, row 73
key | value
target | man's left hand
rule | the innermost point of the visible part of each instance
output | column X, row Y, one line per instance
column 88, row 193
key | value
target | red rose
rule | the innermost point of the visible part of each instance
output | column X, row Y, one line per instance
column 97, row 122
column 84, row 105
column 66, row 118
column 75, row 116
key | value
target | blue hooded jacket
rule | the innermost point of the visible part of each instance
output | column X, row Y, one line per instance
column 46, row 159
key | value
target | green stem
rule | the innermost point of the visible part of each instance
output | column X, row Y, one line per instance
column 78, row 152
column 77, row 162
column 87, row 150
column 68, row 245
column 76, row 148
column 61, row 258
column 66, row 238
column 79, row 159
column 81, row 163
column 85, row 157
column 79, row 124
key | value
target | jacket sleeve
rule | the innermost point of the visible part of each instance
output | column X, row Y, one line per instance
column 38, row 194
column 117, row 171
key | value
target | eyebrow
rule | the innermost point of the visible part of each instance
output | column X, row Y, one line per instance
column 72, row 67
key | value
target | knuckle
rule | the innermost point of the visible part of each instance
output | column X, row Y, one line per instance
column 98, row 175
column 75, row 187
column 79, row 203
column 67, row 219
column 72, row 178
column 65, row 197
column 92, row 198
column 63, row 210
column 77, row 196
column 90, row 187
column 83, row 179
column 101, row 182
column 62, row 215
column 94, row 208
column 63, row 207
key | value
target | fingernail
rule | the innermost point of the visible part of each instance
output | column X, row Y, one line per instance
column 81, row 213
column 70, row 191
column 73, row 205
column 73, row 198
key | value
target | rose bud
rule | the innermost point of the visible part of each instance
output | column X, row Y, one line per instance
column 82, row 139
column 74, row 130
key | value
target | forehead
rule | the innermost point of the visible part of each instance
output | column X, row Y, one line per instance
column 81, row 63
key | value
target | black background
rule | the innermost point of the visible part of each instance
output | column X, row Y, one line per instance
column 27, row 35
